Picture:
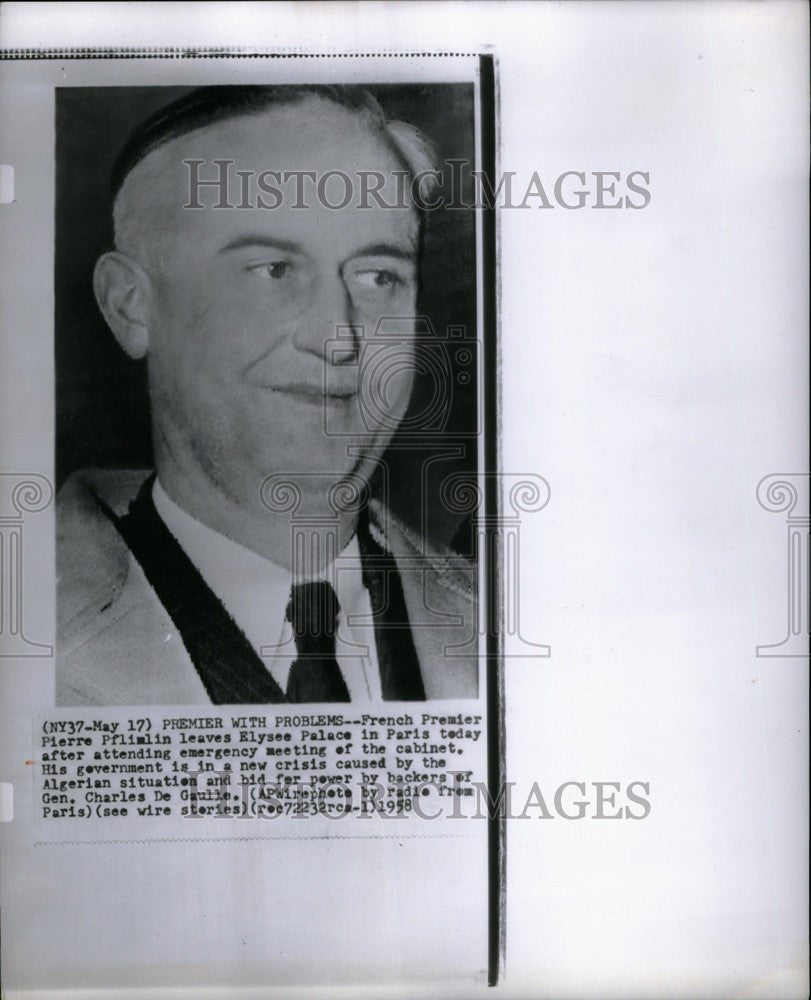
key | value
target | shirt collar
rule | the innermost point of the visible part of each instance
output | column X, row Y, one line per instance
column 253, row 589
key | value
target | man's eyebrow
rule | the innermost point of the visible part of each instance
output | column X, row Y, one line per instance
column 257, row 240
column 396, row 250
column 386, row 250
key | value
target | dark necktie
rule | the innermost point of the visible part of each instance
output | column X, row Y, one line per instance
column 315, row 674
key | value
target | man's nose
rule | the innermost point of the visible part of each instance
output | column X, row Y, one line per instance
column 329, row 315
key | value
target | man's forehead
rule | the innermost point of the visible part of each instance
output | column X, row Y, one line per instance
column 313, row 135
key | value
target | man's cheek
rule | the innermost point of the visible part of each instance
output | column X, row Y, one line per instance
column 386, row 382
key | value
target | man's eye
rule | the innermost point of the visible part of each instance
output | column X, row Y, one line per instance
column 377, row 279
column 275, row 270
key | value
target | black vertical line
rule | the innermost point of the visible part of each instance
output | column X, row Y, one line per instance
column 496, row 833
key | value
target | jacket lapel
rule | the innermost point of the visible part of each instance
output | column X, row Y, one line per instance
column 230, row 670
column 400, row 677
column 439, row 593
column 228, row 666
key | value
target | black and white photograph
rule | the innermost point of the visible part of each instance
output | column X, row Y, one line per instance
column 404, row 500
column 277, row 260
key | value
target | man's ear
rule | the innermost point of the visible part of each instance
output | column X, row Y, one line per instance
column 123, row 292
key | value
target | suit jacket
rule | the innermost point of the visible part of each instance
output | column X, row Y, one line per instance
column 117, row 644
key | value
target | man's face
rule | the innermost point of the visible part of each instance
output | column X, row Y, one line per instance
column 247, row 302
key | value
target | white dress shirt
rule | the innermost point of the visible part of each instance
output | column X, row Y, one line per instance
column 256, row 591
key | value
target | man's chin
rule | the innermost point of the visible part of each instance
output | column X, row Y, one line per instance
column 309, row 475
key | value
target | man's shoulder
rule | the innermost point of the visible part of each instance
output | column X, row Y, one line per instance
column 440, row 594
column 115, row 642
column 446, row 570
column 88, row 491
column 86, row 536
column 92, row 560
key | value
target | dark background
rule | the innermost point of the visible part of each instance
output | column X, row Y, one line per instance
column 102, row 418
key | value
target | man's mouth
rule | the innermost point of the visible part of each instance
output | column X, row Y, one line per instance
column 309, row 393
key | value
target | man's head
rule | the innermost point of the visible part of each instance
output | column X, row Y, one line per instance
column 237, row 308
